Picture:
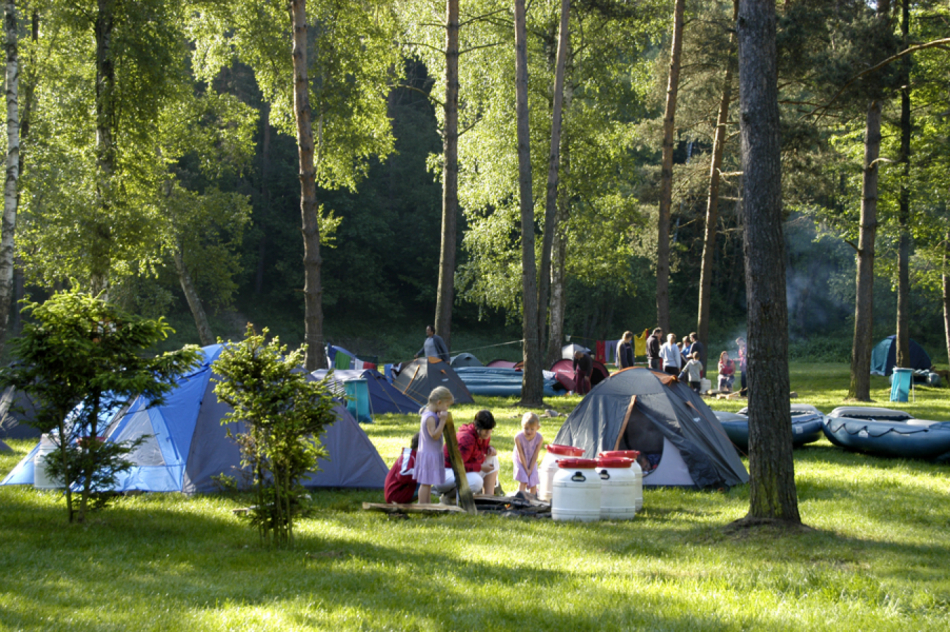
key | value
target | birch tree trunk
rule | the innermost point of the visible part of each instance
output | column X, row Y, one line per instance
column 10, row 194
column 312, row 290
column 194, row 302
column 532, row 385
column 101, row 238
column 554, row 163
column 450, row 175
column 712, row 203
column 666, row 174
column 772, row 495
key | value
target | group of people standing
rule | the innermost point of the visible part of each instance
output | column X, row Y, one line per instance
column 686, row 359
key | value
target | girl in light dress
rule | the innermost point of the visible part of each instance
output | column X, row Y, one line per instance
column 527, row 448
column 430, row 461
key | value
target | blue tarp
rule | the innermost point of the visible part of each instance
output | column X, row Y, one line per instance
column 500, row 382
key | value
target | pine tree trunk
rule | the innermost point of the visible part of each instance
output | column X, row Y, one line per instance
column 554, row 163
column 100, row 247
column 903, row 216
column 712, row 203
column 450, row 175
column 312, row 290
column 265, row 195
column 946, row 293
column 532, row 385
column 772, row 495
column 860, row 388
column 10, row 192
column 194, row 302
column 666, row 174
column 559, row 253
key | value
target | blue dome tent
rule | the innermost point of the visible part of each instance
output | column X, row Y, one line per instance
column 884, row 357
column 186, row 444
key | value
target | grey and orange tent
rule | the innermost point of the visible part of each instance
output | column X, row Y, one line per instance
column 681, row 440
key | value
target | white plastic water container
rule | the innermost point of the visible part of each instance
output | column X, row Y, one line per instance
column 548, row 467
column 618, row 488
column 704, row 385
column 41, row 479
column 635, row 469
column 576, row 491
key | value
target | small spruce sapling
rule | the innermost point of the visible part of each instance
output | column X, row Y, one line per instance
column 284, row 411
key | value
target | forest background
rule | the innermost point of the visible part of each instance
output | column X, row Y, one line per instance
column 206, row 178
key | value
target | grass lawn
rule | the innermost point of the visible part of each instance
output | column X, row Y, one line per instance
column 876, row 557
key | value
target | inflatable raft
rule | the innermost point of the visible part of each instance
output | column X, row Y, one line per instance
column 886, row 432
column 807, row 423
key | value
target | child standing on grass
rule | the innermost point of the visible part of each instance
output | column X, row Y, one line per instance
column 429, row 468
column 527, row 447
column 693, row 371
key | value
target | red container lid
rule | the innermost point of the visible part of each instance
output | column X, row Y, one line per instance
column 627, row 454
column 565, row 450
column 577, row 464
column 614, row 461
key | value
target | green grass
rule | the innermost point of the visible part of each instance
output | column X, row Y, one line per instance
column 876, row 557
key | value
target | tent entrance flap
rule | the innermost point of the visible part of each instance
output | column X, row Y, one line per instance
column 642, row 435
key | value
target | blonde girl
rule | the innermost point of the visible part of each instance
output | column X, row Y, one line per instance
column 430, row 463
column 527, row 448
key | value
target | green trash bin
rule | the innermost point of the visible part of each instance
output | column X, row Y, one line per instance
column 900, row 387
column 357, row 399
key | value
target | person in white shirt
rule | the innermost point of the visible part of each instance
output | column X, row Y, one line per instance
column 671, row 356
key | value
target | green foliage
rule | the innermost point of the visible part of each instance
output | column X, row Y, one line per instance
column 78, row 359
column 284, row 415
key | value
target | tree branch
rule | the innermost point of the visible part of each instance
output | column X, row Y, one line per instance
column 907, row 51
column 479, row 18
column 470, row 49
column 420, row 91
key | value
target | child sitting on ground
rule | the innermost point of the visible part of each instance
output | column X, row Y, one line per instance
column 429, row 468
column 527, row 448
column 400, row 486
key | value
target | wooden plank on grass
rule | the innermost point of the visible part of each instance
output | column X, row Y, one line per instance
column 433, row 508
column 466, row 499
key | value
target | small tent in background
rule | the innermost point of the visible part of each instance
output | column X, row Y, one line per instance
column 417, row 379
column 15, row 408
column 186, row 445
column 884, row 357
column 671, row 426
column 564, row 372
column 465, row 359
column 568, row 351
column 383, row 396
column 504, row 364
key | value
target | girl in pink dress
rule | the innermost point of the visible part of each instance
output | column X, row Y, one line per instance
column 527, row 448
column 430, row 468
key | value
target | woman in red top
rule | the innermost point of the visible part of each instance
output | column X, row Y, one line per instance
column 727, row 372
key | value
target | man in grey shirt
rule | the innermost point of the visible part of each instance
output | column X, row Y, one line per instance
column 434, row 346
